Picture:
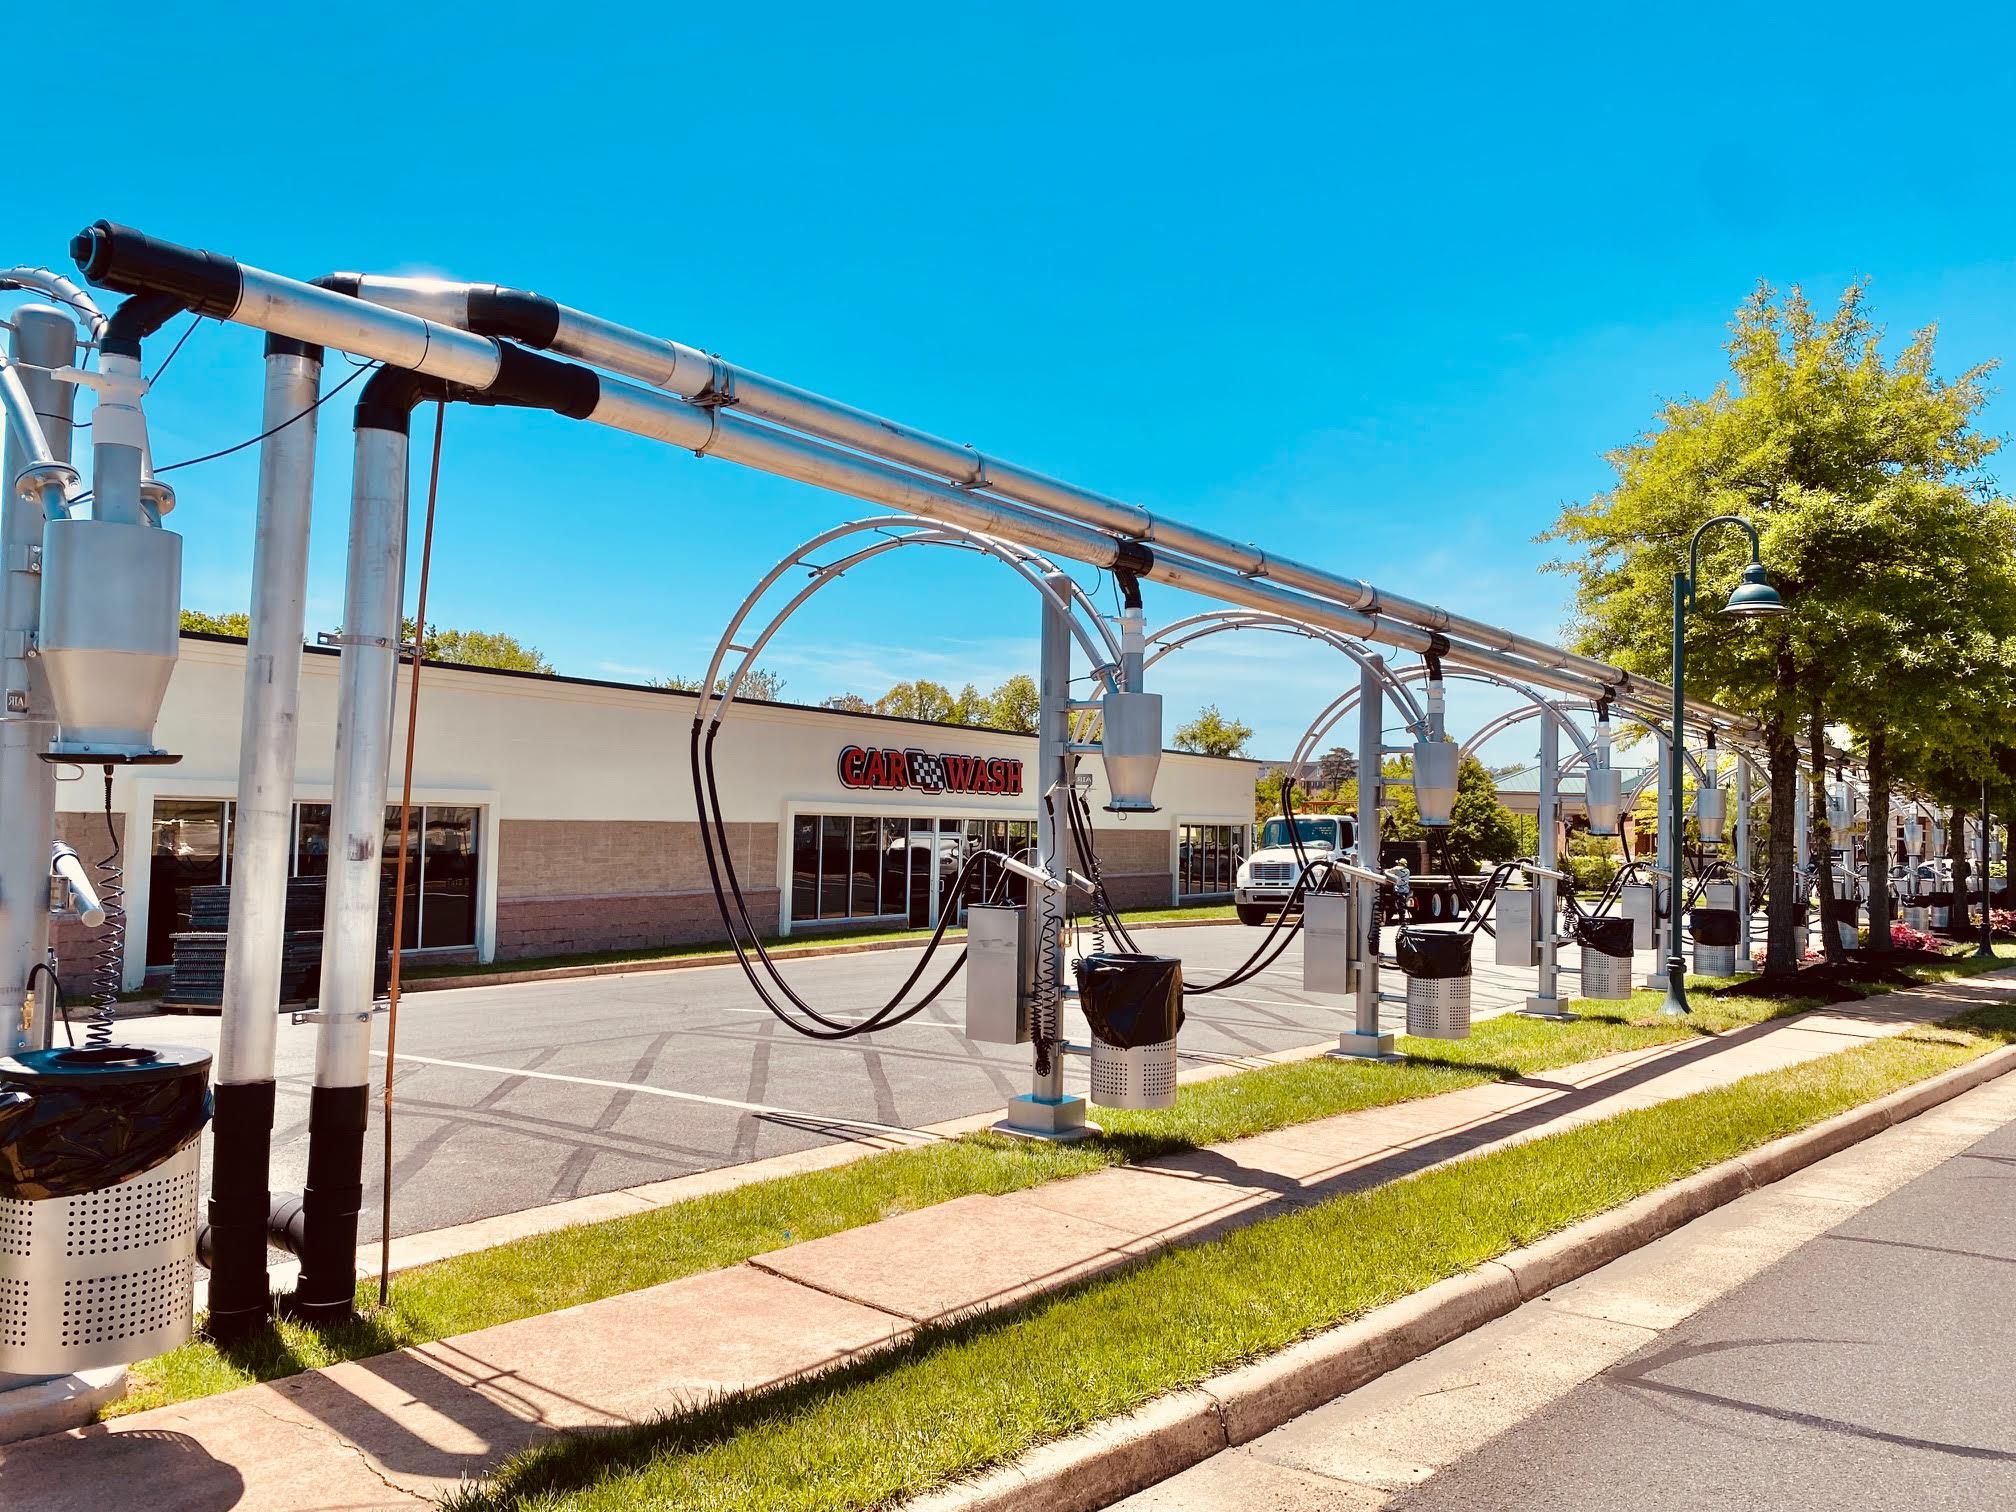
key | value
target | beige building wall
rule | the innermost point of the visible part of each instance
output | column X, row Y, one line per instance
column 589, row 837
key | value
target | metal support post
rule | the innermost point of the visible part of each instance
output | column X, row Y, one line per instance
column 367, row 678
column 1048, row 1112
column 1985, row 949
column 1366, row 1041
column 1663, row 889
column 262, row 844
column 43, row 338
column 1547, row 1002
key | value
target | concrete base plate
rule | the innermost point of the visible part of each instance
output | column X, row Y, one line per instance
column 1546, row 1007
column 1035, row 1118
column 58, row 1403
column 1364, row 1047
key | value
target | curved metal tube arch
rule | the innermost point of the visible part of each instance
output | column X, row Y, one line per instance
column 894, row 531
column 1214, row 621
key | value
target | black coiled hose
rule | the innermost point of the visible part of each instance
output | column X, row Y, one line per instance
column 108, row 961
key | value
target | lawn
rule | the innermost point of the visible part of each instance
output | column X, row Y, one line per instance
column 956, row 1400
column 547, row 1272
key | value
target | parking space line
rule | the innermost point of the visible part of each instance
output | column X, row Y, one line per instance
column 795, row 1115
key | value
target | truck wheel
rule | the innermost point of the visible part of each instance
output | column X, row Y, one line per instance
column 1251, row 915
column 1435, row 905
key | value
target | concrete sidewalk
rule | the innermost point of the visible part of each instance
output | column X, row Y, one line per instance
column 399, row 1429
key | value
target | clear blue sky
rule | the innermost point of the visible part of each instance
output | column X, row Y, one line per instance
column 1372, row 289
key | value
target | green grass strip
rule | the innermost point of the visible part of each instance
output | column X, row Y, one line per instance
column 958, row 1399
column 546, row 1272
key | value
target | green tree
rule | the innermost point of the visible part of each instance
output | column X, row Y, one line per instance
column 760, row 684
column 924, row 699
column 850, row 703
column 195, row 621
column 1212, row 734
column 1014, row 705
column 1481, row 830
column 1337, row 767
column 477, row 648
column 1851, row 468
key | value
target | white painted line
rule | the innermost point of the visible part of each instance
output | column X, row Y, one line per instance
column 695, row 1097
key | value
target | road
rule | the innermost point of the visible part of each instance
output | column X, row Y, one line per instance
column 1845, row 1338
column 1874, row 1367
column 512, row 1097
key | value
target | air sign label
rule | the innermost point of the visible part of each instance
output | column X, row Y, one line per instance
column 888, row 770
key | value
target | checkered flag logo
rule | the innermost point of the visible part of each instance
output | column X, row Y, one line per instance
column 927, row 772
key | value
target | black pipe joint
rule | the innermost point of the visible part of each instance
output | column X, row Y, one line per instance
column 330, row 1202
column 136, row 319
column 233, row 1242
column 130, row 262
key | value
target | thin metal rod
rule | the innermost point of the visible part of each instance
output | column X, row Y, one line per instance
column 399, row 873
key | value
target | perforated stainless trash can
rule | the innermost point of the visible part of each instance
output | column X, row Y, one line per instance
column 99, row 1166
column 1917, row 917
column 1715, row 935
column 1134, row 1006
column 1436, row 964
column 1606, row 958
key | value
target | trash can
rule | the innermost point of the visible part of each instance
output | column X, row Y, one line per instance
column 99, row 1179
column 1939, row 905
column 1606, row 957
column 1134, row 1004
column 1436, row 963
column 1917, row 916
column 1715, row 935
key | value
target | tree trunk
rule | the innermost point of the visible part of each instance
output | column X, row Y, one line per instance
column 1823, row 838
column 1782, row 943
column 1879, row 842
column 1956, row 852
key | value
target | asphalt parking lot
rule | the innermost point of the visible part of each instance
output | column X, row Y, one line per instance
column 512, row 1097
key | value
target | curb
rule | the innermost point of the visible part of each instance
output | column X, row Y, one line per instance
column 409, row 985
column 1172, row 1433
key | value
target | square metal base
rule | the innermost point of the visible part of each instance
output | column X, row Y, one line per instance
column 1354, row 1046
column 1546, row 1008
column 1034, row 1118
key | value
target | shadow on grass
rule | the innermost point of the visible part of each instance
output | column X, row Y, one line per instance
column 273, row 1352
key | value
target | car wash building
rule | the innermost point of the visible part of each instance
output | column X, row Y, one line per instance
column 555, row 815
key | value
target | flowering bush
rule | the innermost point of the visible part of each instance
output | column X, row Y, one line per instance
column 1903, row 937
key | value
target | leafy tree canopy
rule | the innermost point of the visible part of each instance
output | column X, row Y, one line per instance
column 1212, row 734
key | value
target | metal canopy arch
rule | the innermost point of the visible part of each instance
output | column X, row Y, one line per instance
column 892, row 532
column 1183, row 632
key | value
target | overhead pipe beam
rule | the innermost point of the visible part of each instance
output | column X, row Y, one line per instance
column 119, row 257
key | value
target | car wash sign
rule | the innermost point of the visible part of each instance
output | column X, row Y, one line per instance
column 893, row 771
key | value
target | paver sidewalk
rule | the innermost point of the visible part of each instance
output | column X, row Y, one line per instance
column 399, row 1429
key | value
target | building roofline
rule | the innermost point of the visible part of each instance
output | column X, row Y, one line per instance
column 212, row 638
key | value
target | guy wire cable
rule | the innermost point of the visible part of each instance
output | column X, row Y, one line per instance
column 399, row 872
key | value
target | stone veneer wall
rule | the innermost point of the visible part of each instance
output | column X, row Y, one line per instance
column 573, row 885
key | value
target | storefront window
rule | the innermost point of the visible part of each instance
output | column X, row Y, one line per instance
column 834, row 855
column 867, row 890
column 1208, row 857
column 192, row 845
column 188, row 851
column 805, row 867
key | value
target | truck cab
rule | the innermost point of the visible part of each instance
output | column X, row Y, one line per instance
column 1267, row 877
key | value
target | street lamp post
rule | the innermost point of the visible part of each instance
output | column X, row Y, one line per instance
column 1986, row 948
column 1754, row 597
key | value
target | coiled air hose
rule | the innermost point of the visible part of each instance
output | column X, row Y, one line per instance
column 744, row 938
column 108, row 961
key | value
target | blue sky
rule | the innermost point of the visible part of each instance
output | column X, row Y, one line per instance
column 1374, row 289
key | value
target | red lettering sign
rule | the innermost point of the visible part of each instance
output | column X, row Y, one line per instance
column 891, row 770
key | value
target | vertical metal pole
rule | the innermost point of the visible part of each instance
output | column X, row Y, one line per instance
column 1662, row 889
column 1047, row 1112
column 1676, row 805
column 1546, row 1003
column 367, row 679
column 1986, row 947
column 1743, row 937
column 262, row 844
column 1365, row 1039
column 43, row 337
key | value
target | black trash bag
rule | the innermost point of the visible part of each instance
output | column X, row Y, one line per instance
column 1609, row 936
column 1714, row 926
column 1433, row 954
column 75, row 1120
column 1131, row 1000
